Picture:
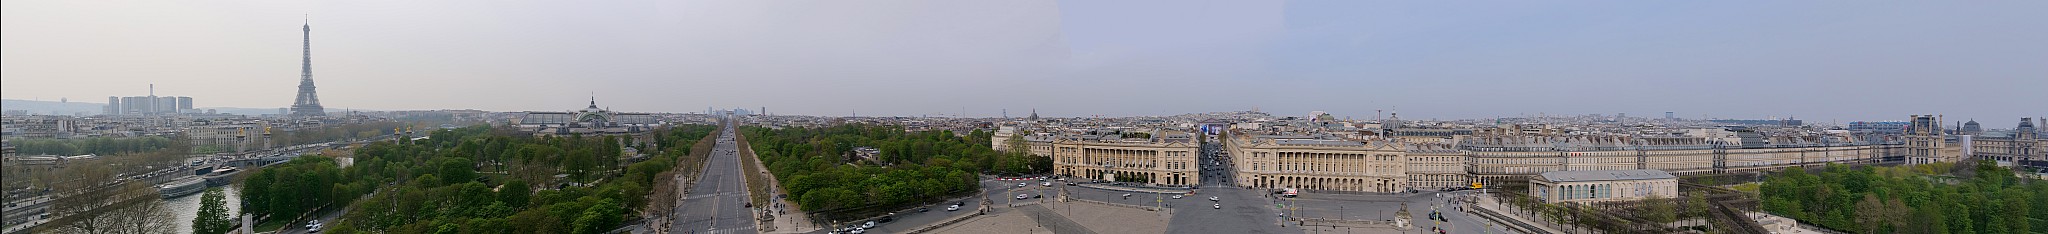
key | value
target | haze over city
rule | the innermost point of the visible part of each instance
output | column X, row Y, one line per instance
column 1016, row 117
column 1814, row 60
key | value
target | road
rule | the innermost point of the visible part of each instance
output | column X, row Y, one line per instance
column 996, row 190
column 718, row 202
column 1244, row 210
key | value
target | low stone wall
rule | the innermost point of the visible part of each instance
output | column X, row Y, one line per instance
column 1134, row 189
column 1146, row 208
column 1516, row 224
column 941, row 224
column 1346, row 223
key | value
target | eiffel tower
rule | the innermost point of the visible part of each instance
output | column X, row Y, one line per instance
column 308, row 103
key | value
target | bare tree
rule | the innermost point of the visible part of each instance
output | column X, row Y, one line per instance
column 131, row 207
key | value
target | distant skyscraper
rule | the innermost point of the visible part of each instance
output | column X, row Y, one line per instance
column 1669, row 115
column 308, row 104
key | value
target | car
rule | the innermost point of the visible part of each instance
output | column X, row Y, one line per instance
column 1176, row 196
column 953, row 208
column 1215, row 199
column 1070, row 183
column 1037, row 195
column 858, row 231
column 1046, row 184
column 924, row 209
column 959, row 203
column 870, row 224
column 1217, row 206
column 1023, row 184
column 1022, row 196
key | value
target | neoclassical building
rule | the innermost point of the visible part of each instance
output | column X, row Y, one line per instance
column 1159, row 160
column 1511, row 156
column 1925, row 141
column 1436, row 165
column 1276, row 162
column 588, row 121
column 1602, row 185
column 2025, row 144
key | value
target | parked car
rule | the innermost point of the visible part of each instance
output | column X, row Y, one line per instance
column 1215, row 199
column 1022, row 196
column 1218, row 206
column 1176, row 196
column 953, row 208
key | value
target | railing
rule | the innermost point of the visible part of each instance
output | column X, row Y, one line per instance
column 1514, row 223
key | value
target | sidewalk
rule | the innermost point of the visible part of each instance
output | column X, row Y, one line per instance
column 1489, row 204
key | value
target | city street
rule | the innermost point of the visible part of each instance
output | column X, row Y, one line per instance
column 993, row 188
column 717, row 203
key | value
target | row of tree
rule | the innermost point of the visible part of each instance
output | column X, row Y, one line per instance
column 819, row 171
column 92, row 145
column 472, row 180
column 1971, row 197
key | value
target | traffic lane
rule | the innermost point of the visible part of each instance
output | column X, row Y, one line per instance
column 326, row 220
column 905, row 222
column 1116, row 197
column 1461, row 221
column 1242, row 211
column 992, row 188
column 1385, row 207
column 717, row 202
column 733, row 215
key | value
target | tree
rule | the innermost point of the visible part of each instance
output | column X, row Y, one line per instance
column 1927, row 219
column 213, row 217
column 1660, row 210
column 514, row 193
column 1871, row 213
column 457, row 170
column 133, row 207
column 599, row 218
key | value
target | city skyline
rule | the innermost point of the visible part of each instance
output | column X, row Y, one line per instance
column 1819, row 62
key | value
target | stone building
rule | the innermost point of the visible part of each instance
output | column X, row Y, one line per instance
column 1602, row 185
column 1276, row 162
column 1157, row 160
column 2024, row 144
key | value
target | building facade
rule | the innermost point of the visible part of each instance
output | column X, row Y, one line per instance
column 1272, row 162
column 589, row 121
column 1602, row 185
column 1925, row 142
column 2024, row 144
column 1170, row 163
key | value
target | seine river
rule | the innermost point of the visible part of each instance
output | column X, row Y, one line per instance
column 187, row 207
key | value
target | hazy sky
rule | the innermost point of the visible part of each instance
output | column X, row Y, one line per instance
column 1816, row 60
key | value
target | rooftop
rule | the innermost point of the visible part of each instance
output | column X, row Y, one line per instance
column 1605, row 175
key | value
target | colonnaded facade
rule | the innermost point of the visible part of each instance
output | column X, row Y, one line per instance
column 1159, row 160
column 1326, row 165
column 1513, row 156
